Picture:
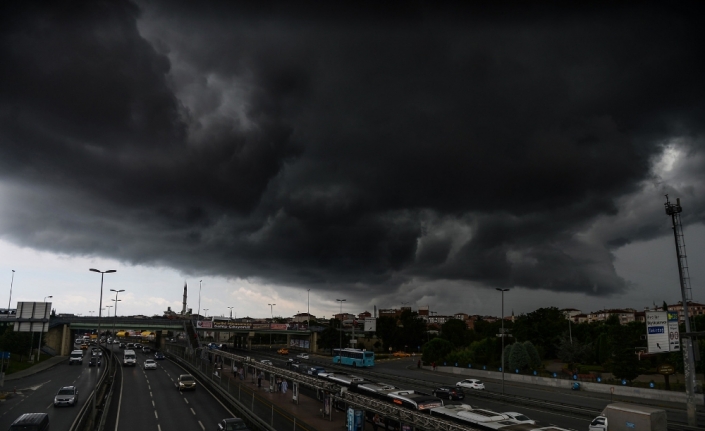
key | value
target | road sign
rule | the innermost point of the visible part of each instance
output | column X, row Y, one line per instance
column 657, row 332
column 673, row 334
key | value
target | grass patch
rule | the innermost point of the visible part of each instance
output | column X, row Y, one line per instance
column 15, row 365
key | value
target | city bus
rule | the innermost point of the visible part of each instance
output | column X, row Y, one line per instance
column 354, row 357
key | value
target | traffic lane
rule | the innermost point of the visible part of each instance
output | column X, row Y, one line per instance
column 556, row 395
column 199, row 405
column 136, row 409
column 36, row 394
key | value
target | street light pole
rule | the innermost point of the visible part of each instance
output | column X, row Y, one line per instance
column 116, row 301
column 502, row 335
column 340, row 358
column 9, row 301
column 200, row 284
column 100, row 307
column 271, row 311
column 39, row 348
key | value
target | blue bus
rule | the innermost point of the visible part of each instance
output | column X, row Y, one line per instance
column 354, row 357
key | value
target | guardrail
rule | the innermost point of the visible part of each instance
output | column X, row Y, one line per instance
column 85, row 420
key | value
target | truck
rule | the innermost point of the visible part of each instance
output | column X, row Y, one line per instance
column 129, row 358
column 629, row 417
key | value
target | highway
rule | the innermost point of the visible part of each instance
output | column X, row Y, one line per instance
column 150, row 400
column 35, row 393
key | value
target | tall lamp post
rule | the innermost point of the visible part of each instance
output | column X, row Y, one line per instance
column 205, row 310
column 340, row 358
column 116, row 300
column 200, row 284
column 502, row 334
column 9, row 301
column 100, row 307
column 39, row 348
column 271, row 311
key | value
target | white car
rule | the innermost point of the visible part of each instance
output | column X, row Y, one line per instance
column 149, row 364
column 521, row 418
column 471, row 384
column 302, row 356
column 266, row 362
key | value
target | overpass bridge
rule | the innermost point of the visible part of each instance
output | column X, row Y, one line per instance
column 63, row 330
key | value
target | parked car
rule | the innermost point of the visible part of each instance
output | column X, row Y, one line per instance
column 283, row 351
column 232, row 424
column 450, row 392
column 159, row 356
column 67, row 396
column 149, row 364
column 186, row 382
column 302, row 356
column 401, row 354
column 471, row 384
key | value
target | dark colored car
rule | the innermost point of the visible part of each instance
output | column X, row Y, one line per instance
column 291, row 362
column 186, row 382
column 232, row 424
column 95, row 361
column 450, row 392
column 121, row 345
column 159, row 355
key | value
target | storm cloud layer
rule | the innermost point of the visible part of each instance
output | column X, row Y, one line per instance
column 350, row 148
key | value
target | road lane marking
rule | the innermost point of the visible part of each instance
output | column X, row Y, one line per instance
column 202, row 427
column 186, row 400
column 156, row 415
column 159, row 428
column 153, row 404
column 192, row 411
column 150, row 394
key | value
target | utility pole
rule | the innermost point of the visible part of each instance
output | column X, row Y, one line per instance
column 502, row 334
column 683, row 275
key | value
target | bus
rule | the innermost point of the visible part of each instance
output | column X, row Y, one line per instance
column 354, row 357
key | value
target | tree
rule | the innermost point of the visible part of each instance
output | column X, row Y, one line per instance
column 542, row 327
column 455, row 331
column 518, row 358
column 15, row 342
column 625, row 361
column 572, row 352
column 664, row 307
column 387, row 331
column 507, row 352
column 436, row 349
column 534, row 357
column 329, row 338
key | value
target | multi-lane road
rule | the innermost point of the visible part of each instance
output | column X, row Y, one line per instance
column 35, row 393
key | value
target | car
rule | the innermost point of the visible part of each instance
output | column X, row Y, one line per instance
column 266, row 362
column 122, row 346
column 159, row 356
column 76, row 356
column 67, row 396
column 84, row 346
column 302, row 356
column 149, row 364
column 79, row 341
column 232, row 424
column 186, row 382
column 470, row 384
column 146, row 349
column 401, row 354
column 519, row 417
column 96, row 352
column 31, row 421
column 450, row 392
column 291, row 362
column 283, row 351
column 298, row 366
column 94, row 362
column 313, row 371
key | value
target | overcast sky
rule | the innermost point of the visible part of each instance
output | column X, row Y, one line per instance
column 423, row 154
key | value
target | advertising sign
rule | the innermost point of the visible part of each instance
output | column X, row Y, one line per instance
column 204, row 324
column 673, row 334
column 657, row 332
column 355, row 419
column 32, row 316
column 370, row 324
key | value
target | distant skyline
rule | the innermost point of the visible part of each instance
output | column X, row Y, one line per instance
column 400, row 153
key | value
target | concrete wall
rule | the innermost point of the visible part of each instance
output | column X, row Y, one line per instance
column 628, row 391
column 59, row 339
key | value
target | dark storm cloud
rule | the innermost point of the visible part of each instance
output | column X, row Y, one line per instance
column 349, row 148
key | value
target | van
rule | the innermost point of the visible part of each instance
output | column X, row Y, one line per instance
column 129, row 359
column 31, row 422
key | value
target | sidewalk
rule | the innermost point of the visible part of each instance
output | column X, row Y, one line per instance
column 34, row 369
column 309, row 410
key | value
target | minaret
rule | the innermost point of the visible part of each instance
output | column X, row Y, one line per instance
column 183, row 308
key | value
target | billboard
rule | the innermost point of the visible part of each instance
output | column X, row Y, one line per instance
column 662, row 331
column 370, row 324
column 33, row 316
